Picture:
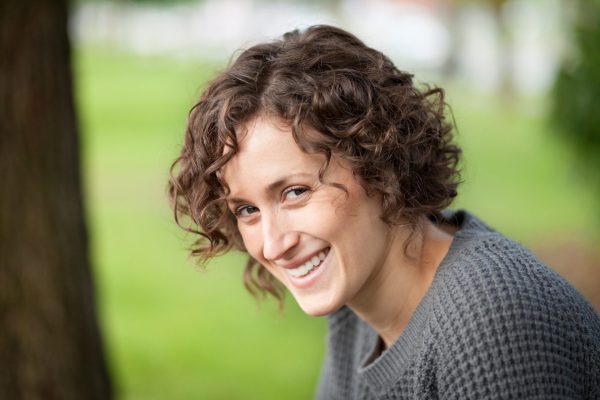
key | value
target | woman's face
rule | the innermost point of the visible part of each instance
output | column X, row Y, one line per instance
column 323, row 244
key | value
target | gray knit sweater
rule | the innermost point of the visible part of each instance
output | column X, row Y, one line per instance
column 495, row 324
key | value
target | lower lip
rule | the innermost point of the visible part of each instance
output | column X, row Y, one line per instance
column 310, row 278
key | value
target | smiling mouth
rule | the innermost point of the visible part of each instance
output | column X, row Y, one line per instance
column 309, row 266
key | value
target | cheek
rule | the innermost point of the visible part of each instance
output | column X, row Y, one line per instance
column 357, row 225
column 331, row 216
column 252, row 241
column 318, row 220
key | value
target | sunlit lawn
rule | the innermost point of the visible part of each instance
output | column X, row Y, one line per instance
column 173, row 332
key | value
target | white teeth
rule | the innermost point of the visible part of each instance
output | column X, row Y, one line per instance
column 308, row 266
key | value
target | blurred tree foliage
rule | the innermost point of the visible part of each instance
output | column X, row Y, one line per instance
column 576, row 96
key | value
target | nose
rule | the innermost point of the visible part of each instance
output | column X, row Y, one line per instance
column 278, row 237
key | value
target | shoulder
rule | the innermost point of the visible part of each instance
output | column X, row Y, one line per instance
column 502, row 316
column 484, row 266
column 496, row 275
column 492, row 279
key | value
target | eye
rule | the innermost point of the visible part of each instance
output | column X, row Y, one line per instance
column 245, row 211
column 294, row 192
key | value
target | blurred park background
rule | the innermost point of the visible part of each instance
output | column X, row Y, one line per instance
column 525, row 116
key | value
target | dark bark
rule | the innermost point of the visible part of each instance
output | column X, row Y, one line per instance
column 50, row 345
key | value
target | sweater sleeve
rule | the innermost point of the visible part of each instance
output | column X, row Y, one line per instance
column 512, row 329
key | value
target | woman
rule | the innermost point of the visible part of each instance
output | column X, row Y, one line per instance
column 320, row 159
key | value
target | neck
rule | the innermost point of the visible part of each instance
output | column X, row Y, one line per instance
column 393, row 293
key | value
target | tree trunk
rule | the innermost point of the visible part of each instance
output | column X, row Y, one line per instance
column 50, row 345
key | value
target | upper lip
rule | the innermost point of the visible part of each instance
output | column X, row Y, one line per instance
column 301, row 261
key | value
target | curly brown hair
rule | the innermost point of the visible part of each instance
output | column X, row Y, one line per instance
column 340, row 98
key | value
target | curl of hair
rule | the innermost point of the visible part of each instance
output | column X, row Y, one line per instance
column 356, row 105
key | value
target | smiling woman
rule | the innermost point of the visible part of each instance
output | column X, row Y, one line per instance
column 320, row 159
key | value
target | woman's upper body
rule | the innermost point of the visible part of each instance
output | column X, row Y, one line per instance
column 495, row 324
column 320, row 159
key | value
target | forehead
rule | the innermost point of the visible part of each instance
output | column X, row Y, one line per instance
column 266, row 151
column 264, row 134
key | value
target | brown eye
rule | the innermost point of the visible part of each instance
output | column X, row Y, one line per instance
column 245, row 211
column 294, row 192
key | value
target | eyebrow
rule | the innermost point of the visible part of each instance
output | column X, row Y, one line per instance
column 272, row 187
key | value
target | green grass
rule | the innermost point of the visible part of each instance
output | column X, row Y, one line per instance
column 174, row 332
column 518, row 174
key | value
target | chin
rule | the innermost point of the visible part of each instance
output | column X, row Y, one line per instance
column 316, row 307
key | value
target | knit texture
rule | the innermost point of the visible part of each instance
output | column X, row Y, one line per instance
column 495, row 323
